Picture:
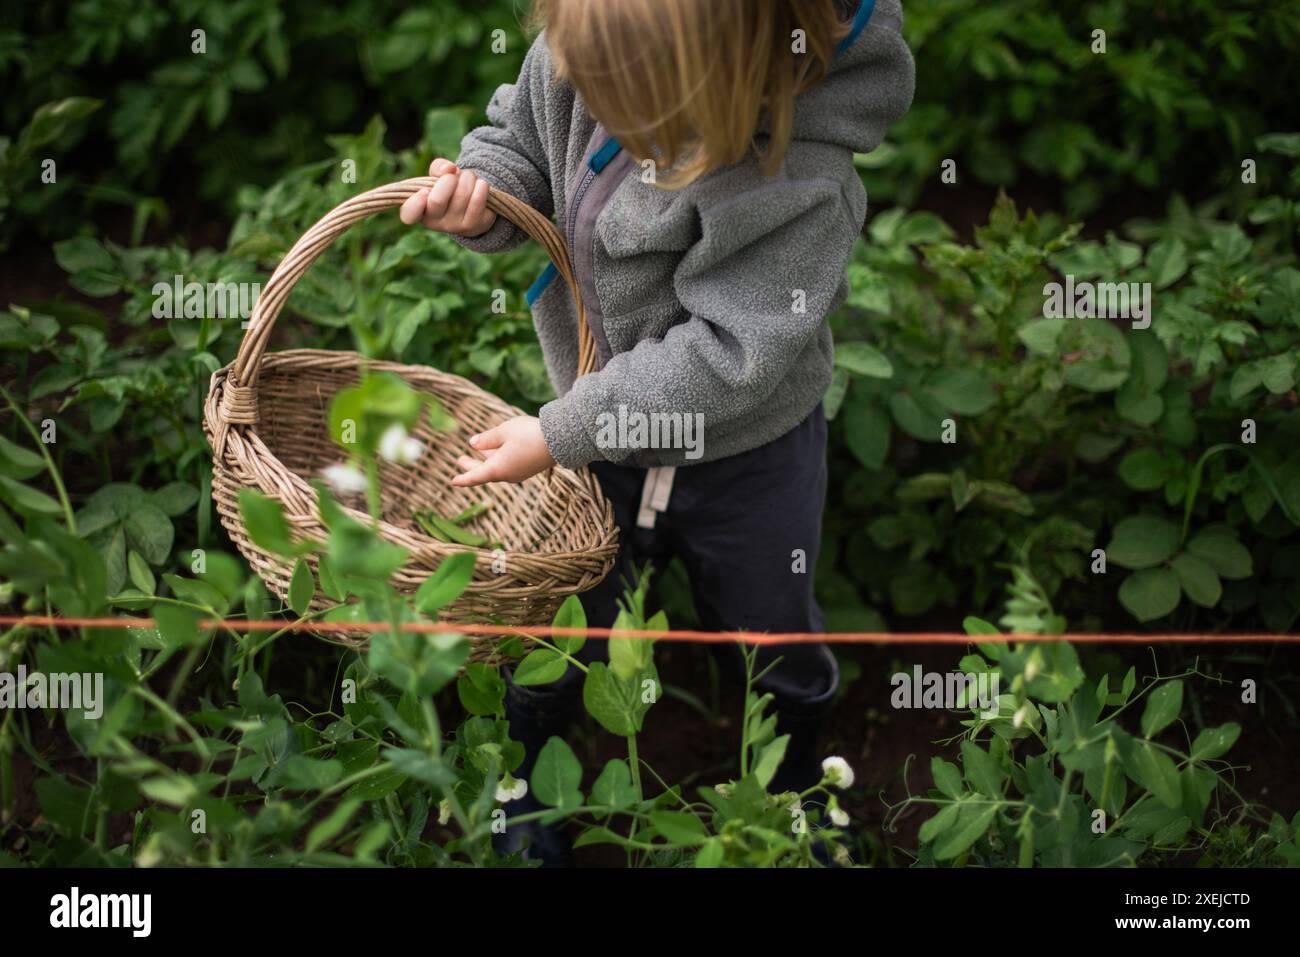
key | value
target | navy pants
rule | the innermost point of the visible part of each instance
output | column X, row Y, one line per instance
column 748, row 530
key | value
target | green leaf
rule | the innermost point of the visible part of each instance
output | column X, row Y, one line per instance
column 65, row 805
column 1153, row 770
column 151, row 531
column 556, row 776
column 27, row 499
column 918, row 414
column 615, row 703
column 711, row 854
column 1162, row 708
column 1223, row 552
column 835, row 393
column 629, row 657
column 1142, row 541
column 199, row 592
column 1215, row 742
column 115, row 570
column 1150, row 593
column 178, row 626
column 1060, row 674
column 1042, row 336
column 329, row 583
column 302, row 773
column 332, row 826
column 18, row 462
column 679, row 827
column 82, row 254
column 946, row 777
column 972, row 821
column 52, row 121
column 1144, row 470
column 1167, row 261
column 481, row 689
column 541, row 667
column 863, row 359
column 176, row 791
column 614, row 785
column 419, row 663
column 1199, row 579
column 175, row 498
column 570, row 615
column 963, row 391
column 264, row 521
column 867, row 431
column 373, row 788
column 936, row 825
column 140, row 573
column 1101, row 355
column 769, row 759
column 302, row 588
column 982, row 770
column 446, row 584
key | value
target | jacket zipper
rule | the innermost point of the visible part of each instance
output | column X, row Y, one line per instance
column 581, row 191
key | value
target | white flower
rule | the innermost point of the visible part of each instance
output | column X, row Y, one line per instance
column 345, row 479
column 444, row 811
column 839, row 817
column 511, row 789
column 1032, row 667
column 1021, row 715
column 396, row 445
column 723, row 789
column 837, row 772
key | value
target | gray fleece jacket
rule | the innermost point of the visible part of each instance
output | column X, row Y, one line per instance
column 709, row 302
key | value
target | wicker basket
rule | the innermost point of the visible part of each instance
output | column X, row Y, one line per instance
column 266, row 419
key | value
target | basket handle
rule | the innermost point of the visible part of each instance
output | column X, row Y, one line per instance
column 239, row 393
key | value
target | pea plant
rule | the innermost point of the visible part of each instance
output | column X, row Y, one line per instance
column 1067, row 774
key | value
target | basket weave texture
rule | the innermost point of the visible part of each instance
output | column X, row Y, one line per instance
column 266, row 419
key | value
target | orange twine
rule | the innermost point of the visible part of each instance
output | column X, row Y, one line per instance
column 708, row 637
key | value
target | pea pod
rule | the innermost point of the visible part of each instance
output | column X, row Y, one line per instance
column 430, row 529
column 471, row 513
column 447, row 531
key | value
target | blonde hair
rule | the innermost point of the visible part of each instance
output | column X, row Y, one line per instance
column 688, row 82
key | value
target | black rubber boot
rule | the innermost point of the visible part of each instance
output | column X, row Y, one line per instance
column 536, row 714
column 802, row 718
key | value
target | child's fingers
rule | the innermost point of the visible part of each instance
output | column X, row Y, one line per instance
column 435, row 208
column 440, row 166
column 491, row 439
column 460, row 199
column 412, row 210
column 480, row 475
column 467, row 462
column 477, row 207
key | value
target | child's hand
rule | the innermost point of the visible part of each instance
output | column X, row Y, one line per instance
column 456, row 204
column 512, row 452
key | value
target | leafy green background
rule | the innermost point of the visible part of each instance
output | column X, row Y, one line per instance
column 1174, row 450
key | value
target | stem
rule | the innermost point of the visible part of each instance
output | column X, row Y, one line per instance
column 634, row 761
column 372, row 491
column 49, row 462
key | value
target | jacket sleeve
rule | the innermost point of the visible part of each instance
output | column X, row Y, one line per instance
column 758, row 284
column 513, row 153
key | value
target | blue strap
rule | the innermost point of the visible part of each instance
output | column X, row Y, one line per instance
column 539, row 286
column 860, row 20
column 600, row 159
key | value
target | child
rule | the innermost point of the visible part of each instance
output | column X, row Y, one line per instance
column 698, row 155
